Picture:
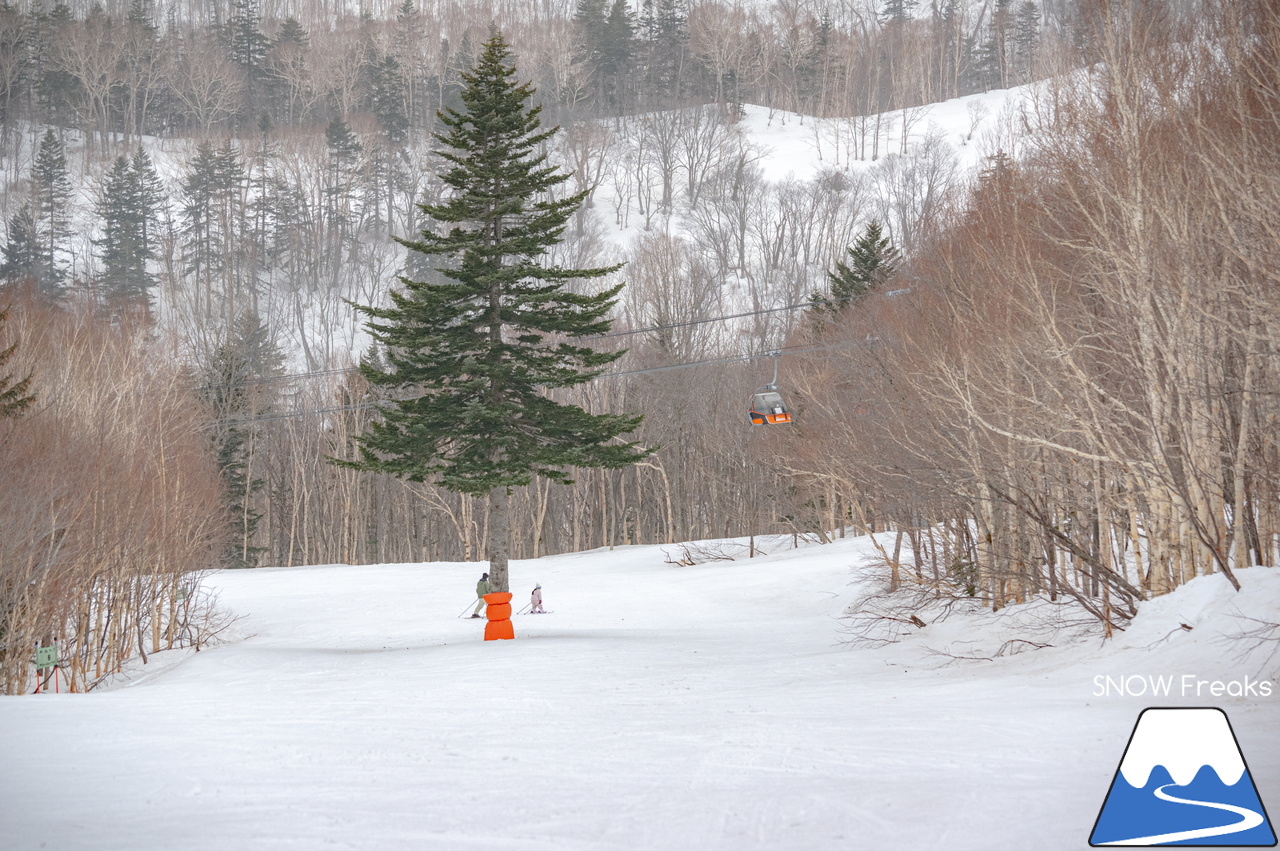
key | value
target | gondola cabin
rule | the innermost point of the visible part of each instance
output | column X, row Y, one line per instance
column 768, row 408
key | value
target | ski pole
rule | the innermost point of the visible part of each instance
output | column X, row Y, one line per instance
column 527, row 605
column 464, row 611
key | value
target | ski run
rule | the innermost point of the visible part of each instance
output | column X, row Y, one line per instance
column 716, row 706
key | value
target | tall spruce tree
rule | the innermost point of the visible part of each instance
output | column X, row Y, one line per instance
column 606, row 43
column 342, row 174
column 1026, row 40
column 474, row 354
column 212, row 231
column 387, row 98
column 618, row 60
column 51, row 200
column 239, row 387
column 665, row 26
column 409, row 46
column 130, row 198
column 872, row 259
column 22, row 258
column 151, row 196
column 39, row 230
column 248, row 47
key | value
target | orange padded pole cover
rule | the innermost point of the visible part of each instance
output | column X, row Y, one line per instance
column 498, row 612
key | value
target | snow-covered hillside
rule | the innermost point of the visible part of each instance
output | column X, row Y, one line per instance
column 801, row 146
column 317, row 329
column 656, row 707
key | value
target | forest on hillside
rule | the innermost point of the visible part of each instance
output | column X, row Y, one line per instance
column 1066, row 386
column 201, row 161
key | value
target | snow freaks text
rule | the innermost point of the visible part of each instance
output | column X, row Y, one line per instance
column 1186, row 685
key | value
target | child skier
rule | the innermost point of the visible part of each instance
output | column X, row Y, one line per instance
column 536, row 601
column 482, row 588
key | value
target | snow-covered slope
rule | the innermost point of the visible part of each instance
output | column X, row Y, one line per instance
column 800, row 146
column 656, row 707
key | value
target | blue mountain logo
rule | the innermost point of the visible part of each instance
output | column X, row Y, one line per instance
column 1183, row 781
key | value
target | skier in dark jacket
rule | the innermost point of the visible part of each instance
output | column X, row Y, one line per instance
column 482, row 588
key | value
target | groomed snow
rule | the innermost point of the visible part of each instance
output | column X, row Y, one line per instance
column 656, row 707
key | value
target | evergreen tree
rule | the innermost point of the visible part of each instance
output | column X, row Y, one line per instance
column 1026, row 39
column 56, row 89
column 260, row 221
column 999, row 177
column 382, row 173
column 124, row 278
column 141, row 14
column 813, row 67
column 872, row 260
column 665, row 27
column 480, row 350
column 287, row 252
column 248, row 43
column 957, row 49
column 236, row 390
column 130, row 198
column 22, row 258
column 387, row 98
column 344, row 151
column 140, row 65
column 897, row 12
column 459, row 59
column 212, row 229
column 341, row 209
column 200, row 216
column 287, row 57
column 589, row 16
column 607, row 46
column 14, row 398
column 410, row 47
column 248, row 49
column 292, row 32
column 151, row 195
column 51, row 185
column 51, row 197
column 617, row 61
column 991, row 59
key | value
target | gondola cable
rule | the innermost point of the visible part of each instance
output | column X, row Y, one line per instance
column 302, row 376
column 360, row 406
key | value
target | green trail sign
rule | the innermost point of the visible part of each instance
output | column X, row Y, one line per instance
column 46, row 657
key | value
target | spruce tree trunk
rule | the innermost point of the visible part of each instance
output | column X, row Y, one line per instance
column 499, row 538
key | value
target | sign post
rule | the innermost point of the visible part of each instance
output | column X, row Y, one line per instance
column 47, row 657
